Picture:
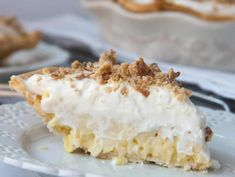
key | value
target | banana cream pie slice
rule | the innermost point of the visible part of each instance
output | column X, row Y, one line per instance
column 125, row 112
column 215, row 10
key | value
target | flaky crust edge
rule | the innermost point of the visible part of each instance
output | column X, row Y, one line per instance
column 17, row 83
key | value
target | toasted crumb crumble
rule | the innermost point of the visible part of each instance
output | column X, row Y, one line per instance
column 124, row 91
column 208, row 134
column 76, row 65
column 46, row 71
column 138, row 74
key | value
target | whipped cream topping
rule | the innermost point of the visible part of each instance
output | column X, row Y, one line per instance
column 87, row 104
column 207, row 7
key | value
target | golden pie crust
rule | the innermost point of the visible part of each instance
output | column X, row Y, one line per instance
column 136, row 7
column 163, row 5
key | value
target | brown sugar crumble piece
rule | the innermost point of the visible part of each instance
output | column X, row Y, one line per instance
column 138, row 74
column 172, row 75
column 76, row 65
column 61, row 73
column 138, row 68
column 46, row 71
column 124, row 91
column 108, row 58
column 102, row 74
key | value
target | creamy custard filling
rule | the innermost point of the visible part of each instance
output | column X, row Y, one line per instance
column 110, row 114
column 207, row 7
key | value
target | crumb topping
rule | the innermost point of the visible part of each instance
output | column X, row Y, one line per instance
column 124, row 91
column 138, row 74
column 208, row 134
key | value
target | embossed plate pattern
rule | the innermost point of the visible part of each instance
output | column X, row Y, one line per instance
column 26, row 143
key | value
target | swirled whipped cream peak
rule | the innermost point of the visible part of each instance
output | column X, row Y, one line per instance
column 128, row 112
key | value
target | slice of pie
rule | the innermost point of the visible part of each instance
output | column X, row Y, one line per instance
column 13, row 37
column 126, row 112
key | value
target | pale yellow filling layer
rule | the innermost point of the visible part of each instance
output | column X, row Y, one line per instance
column 145, row 147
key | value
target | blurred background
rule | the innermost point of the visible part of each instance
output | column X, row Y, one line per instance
column 36, row 10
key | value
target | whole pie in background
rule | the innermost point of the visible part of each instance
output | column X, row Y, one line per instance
column 212, row 10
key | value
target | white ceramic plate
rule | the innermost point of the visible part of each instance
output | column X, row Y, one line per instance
column 26, row 143
column 27, row 60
